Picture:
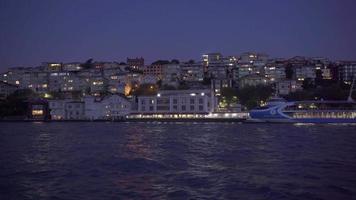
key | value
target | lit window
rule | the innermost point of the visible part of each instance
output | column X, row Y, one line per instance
column 37, row 112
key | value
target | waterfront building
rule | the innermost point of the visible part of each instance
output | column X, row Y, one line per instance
column 57, row 109
column 66, row 109
column 178, row 102
column 74, row 110
column 38, row 110
column 112, row 106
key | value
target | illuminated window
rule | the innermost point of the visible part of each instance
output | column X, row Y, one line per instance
column 37, row 112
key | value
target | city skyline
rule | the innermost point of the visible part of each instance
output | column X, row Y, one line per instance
column 66, row 31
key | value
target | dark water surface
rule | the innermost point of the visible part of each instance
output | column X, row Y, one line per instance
column 177, row 161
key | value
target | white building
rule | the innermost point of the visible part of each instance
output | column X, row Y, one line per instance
column 115, row 106
column 178, row 101
column 66, row 109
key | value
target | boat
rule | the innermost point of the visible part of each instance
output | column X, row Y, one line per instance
column 316, row 111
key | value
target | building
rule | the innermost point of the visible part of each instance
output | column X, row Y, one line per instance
column 38, row 110
column 135, row 63
column 52, row 66
column 57, row 109
column 74, row 110
column 347, row 71
column 72, row 67
column 154, row 70
column 177, row 102
column 211, row 59
column 66, row 109
column 192, row 72
column 275, row 72
column 253, row 80
column 285, row 87
column 113, row 106
column 6, row 89
column 304, row 72
column 171, row 74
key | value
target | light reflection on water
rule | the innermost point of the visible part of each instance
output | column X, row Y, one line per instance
column 177, row 160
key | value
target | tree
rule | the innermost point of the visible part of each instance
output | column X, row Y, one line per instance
column 88, row 64
column 146, row 90
column 161, row 62
column 318, row 77
column 168, row 87
column 175, row 61
column 16, row 103
column 252, row 96
column 191, row 61
column 228, row 96
column 206, row 80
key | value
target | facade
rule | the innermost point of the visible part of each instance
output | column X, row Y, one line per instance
column 72, row 67
column 285, row 87
column 171, row 74
column 347, row 71
column 113, row 107
column 275, row 72
column 57, row 109
column 253, row 80
column 135, row 63
column 66, row 109
column 178, row 101
column 211, row 59
column 303, row 72
column 192, row 72
column 74, row 110
column 154, row 70
column 38, row 110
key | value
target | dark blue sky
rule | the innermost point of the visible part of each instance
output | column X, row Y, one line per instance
column 75, row 30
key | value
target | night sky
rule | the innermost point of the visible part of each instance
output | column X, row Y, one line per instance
column 35, row 31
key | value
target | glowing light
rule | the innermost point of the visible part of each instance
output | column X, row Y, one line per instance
column 37, row 112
